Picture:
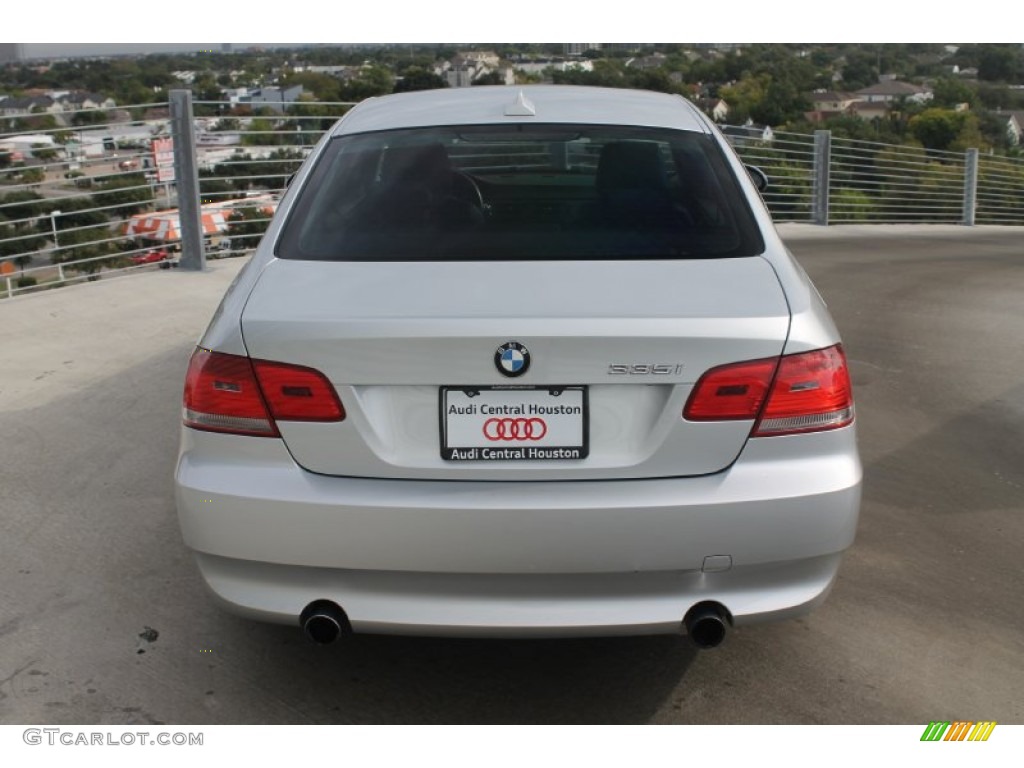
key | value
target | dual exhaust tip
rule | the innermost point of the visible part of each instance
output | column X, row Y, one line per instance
column 324, row 622
column 705, row 623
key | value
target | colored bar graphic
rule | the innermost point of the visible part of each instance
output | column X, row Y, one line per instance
column 982, row 730
column 934, row 731
column 958, row 730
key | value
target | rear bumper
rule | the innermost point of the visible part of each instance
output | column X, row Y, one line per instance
column 521, row 558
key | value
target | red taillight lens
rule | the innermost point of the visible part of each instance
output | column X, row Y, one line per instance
column 731, row 392
column 805, row 392
column 295, row 393
column 811, row 392
column 231, row 393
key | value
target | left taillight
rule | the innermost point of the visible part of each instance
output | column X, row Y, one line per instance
column 238, row 395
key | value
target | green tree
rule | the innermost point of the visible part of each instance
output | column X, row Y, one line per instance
column 44, row 152
column 323, row 87
column 131, row 194
column 21, row 205
column 79, row 244
column 938, row 128
column 246, row 227
column 948, row 92
column 419, row 79
column 494, row 77
column 1002, row 63
column 92, row 117
column 372, row 81
column 20, row 241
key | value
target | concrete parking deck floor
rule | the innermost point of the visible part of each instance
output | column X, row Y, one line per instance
column 103, row 618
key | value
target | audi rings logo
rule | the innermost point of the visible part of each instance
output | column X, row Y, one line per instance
column 515, row 429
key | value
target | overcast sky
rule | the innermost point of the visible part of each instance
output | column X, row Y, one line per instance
column 413, row 21
column 56, row 50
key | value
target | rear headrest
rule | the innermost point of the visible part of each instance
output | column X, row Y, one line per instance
column 630, row 165
column 425, row 163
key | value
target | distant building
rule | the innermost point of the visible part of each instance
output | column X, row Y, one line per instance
column 578, row 49
column 745, row 135
column 828, row 104
column 719, row 111
column 11, row 52
column 538, row 66
column 16, row 106
column 1014, row 126
column 275, row 98
column 890, row 91
column 654, row 61
column 464, row 69
column 226, row 47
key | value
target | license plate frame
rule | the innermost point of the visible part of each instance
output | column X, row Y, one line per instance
column 515, row 440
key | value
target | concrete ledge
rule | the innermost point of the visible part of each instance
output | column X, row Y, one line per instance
column 794, row 231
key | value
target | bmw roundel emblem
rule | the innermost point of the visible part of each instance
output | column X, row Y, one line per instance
column 512, row 359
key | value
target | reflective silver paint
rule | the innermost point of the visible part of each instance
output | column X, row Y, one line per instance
column 406, row 548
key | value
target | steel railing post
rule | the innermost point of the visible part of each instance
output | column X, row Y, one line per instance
column 822, row 168
column 970, row 186
column 186, row 177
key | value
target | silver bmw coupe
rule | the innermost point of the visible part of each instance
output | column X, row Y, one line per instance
column 520, row 362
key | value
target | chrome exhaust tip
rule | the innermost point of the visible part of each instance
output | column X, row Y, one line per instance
column 324, row 622
column 706, row 624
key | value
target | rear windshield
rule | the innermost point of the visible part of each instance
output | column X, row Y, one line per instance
column 520, row 192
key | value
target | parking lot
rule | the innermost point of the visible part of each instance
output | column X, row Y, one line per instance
column 103, row 618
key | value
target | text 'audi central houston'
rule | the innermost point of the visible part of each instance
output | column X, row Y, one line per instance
column 520, row 362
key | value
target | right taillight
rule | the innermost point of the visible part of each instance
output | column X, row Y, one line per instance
column 809, row 392
column 234, row 394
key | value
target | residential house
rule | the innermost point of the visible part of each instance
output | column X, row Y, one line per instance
column 76, row 100
column 235, row 95
column 719, row 110
column 891, row 91
column 275, row 98
column 578, row 49
column 466, row 68
column 827, row 104
column 866, row 110
column 832, row 101
column 539, row 66
column 487, row 58
column 1014, row 126
column 17, row 106
column 748, row 134
column 654, row 61
column 716, row 109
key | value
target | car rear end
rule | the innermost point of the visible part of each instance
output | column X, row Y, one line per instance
column 506, row 366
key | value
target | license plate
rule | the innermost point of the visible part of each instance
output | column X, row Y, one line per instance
column 514, row 423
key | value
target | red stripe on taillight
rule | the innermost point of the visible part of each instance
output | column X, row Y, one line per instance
column 805, row 392
column 295, row 393
column 811, row 392
column 222, row 395
column 731, row 392
column 231, row 393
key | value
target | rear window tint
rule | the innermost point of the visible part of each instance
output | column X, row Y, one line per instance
column 520, row 192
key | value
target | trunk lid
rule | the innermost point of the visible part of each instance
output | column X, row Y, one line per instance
column 391, row 335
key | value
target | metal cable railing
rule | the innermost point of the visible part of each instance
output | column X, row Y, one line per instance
column 872, row 182
column 788, row 161
column 89, row 200
column 1000, row 190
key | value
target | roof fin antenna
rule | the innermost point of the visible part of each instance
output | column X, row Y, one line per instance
column 521, row 107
